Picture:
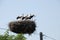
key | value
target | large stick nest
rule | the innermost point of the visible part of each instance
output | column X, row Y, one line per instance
column 22, row 26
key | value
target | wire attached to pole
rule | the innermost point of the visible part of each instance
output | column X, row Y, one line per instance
column 3, row 29
column 49, row 37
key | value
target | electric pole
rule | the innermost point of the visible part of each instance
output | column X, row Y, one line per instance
column 41, row 36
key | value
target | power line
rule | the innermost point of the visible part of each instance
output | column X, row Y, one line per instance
column 49, row 37
column 3, row 29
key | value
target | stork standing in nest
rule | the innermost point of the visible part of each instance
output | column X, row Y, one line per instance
column 31, row 16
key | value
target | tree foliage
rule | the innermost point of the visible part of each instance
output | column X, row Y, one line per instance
column 6, row 36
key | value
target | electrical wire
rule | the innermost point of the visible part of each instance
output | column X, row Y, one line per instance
column 49, row 37
column 3, row 29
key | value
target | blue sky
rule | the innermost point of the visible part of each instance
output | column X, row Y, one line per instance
column 47, row 15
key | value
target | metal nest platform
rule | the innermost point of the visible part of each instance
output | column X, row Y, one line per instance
column 25, row 27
